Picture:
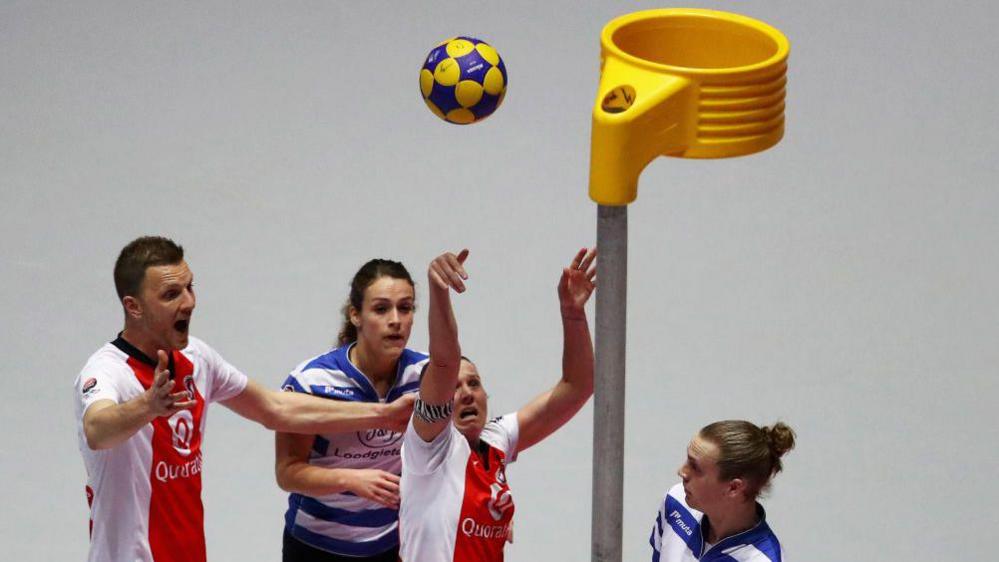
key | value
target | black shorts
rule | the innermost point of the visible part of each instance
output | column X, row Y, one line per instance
column 297, row 551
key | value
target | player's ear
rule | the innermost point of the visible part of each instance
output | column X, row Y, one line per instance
column 355, row 317
column 736, row 488
column 132, row 306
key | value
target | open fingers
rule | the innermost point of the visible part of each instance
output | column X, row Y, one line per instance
column 569, row 278
column 587, row 261
column 181, row 396
column 162, row 385
column 162, row 361
column 183, row 405
column 162, row 372
column 159, row 380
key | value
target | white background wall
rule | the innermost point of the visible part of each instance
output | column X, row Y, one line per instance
column 843, row 282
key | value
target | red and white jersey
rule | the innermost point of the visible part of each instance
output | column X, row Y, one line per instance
column 456, row 503
column 145, row 493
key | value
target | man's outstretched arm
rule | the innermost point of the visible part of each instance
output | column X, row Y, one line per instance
column 293, row 412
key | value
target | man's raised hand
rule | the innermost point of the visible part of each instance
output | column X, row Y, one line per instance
column 159, row 400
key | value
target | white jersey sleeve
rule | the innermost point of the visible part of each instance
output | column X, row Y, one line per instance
column 503, row 433
column 224, row 380
column 422, row 457
column 97, row 381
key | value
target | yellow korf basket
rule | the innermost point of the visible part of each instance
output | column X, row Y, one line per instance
column 683, row 82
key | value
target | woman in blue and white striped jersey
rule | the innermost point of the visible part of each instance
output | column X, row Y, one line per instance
column 345, row 487
column 712, row 514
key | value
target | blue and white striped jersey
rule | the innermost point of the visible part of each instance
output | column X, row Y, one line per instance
column 344, row 523
column 677, row 536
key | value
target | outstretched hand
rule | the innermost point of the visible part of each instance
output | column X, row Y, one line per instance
column 159, row 399
column 578, row 282
column 447, row 271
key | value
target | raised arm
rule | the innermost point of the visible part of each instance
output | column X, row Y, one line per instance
column 106, row 424
column 446, row 272
column 295, row 474
column 552, row 409
column 293, row 412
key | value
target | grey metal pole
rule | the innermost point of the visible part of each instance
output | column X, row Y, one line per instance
column 608, row 411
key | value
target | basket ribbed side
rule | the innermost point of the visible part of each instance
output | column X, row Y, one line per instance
column 743, row 111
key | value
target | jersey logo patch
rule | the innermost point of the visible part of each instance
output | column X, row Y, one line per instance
column 500, row 500
column 182, row 427
column 378, row 438
column 88, row 385
column 192, row 390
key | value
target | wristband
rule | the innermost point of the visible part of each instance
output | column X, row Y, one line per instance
column 433, row 413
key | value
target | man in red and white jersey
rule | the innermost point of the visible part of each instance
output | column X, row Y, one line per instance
column 141, row 405
column 456, row 505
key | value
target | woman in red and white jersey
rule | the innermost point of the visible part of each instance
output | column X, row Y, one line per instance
column 456, row 504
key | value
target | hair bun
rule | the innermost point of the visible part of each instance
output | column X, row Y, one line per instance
column 780, row 437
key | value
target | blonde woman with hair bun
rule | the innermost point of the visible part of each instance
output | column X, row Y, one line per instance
column 713, row 513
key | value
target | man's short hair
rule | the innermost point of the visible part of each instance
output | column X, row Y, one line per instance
column 137, row 256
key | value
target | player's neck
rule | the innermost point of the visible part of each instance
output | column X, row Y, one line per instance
column 141, row 341
column 472, row 436
column 732, row 522
column 380, row 369
column 473, row 443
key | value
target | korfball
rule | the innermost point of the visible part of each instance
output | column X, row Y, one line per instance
column 463, row 80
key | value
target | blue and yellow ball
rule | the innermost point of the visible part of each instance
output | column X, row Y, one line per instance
column 463, row 80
